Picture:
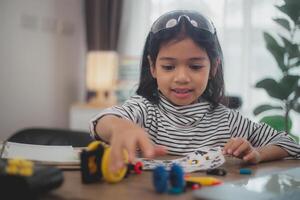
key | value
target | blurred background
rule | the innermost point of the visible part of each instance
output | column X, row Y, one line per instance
column 49, row 50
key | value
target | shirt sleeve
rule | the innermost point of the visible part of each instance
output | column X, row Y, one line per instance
column 261, row 134
column 134, row 109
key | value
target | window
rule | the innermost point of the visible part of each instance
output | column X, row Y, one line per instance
column 240, row 25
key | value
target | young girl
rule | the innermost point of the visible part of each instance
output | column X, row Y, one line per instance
column 179, row 106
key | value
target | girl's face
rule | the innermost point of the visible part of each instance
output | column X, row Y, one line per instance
column 182, row 71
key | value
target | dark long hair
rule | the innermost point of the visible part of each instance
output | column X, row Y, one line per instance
column 215, row 89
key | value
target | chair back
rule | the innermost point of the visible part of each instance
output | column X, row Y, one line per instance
column 50, row 136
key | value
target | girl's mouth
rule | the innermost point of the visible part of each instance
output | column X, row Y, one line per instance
column 181, row 92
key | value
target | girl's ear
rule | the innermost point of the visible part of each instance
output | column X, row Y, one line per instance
column 214, row 68
column 152, row 68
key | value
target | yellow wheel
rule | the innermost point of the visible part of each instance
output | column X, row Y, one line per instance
column 107, row 174
column 94, row 145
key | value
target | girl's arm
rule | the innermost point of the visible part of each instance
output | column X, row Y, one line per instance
column 104, row 127
column 265, row 142
column 134, row 110
column 241, row 148
column 271, row 152
column 123, row 134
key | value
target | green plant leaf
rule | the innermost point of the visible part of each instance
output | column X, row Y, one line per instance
column 272, row 88
column 296, row 64
column 297, row 92
column 287, row 55
column 277, row 122
column 283, row 22
column 296, row 103
column 296, row 107
column 292, row 49
column 281, row 90
column 288, row 84
column 276, row 50
column 265, row 107
column 292, row 9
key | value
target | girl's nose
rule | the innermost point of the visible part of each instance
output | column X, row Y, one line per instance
column 182, row 75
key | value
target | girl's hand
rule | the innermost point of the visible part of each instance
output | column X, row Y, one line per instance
column 128, row 136
column 241, row 148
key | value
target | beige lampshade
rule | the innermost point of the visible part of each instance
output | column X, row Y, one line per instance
column 102, row 73
column 102, row 70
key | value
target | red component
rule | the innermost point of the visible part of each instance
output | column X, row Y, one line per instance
column 187, row 175
column 138, row 167
column 217, row 183
column 196, row 186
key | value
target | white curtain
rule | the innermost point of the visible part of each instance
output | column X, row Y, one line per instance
column 240, row 25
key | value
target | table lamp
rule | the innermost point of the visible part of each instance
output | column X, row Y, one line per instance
column 102, row 72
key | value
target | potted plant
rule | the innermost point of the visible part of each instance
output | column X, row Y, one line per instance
column 286, row 90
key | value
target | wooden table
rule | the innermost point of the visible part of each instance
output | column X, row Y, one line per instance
column 140, row 186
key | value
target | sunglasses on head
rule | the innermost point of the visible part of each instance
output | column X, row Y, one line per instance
column 172, row 19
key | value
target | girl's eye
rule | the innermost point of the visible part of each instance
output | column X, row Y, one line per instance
column 168, row 67
column 196, row 67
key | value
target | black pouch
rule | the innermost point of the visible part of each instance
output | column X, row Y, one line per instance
column 18, row 184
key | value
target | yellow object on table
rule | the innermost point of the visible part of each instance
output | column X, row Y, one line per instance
column 203, row 180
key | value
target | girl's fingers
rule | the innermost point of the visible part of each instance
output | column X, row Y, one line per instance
column 228, row 145
column 146, row 146
column 131, row 150
column 159, row 150
column 248, row 157
column 140, row 140
column 237, row 143
column 252, row 157
column 117, row 154
column 118, row 161
column 242, row 149
column 233, row 144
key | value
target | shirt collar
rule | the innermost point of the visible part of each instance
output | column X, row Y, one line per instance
column 192, row 113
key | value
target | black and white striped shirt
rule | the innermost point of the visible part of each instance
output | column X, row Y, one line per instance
column 183, row 129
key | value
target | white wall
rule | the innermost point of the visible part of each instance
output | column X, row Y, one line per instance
column 135, row 24
column 42, row 52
